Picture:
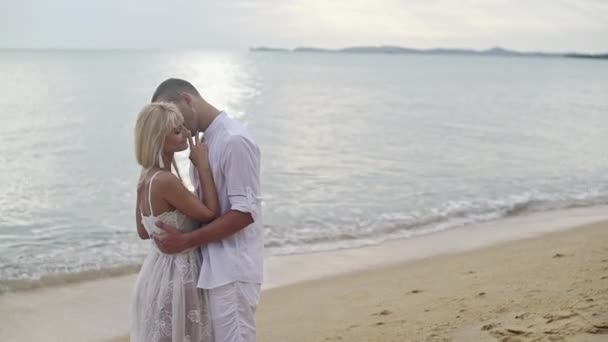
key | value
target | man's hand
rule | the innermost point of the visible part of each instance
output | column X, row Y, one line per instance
column 170, row 240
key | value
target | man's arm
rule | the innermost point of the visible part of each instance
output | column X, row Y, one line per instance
column 173, row 241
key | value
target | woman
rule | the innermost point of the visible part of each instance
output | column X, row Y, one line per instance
column 168, row 305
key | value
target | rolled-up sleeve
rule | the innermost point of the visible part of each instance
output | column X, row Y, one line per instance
column 241, row 167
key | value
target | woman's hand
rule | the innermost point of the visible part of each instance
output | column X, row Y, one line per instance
column 199, row 153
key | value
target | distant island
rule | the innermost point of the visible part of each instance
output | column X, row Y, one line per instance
column 496, row 51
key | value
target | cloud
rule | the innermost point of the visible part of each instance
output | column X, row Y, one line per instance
column 533, row 24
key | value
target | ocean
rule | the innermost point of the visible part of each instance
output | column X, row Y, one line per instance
column 357, row 149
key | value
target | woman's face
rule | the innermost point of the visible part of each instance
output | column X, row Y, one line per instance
column 177, row 139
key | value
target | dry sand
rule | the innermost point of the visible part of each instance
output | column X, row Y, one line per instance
column 549, row 288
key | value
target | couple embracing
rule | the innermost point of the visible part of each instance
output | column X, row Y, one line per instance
column 201, row 279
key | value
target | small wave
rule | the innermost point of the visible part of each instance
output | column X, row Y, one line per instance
column 451, row 215
column 385, row 227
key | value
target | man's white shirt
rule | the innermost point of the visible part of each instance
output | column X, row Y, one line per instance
column 234, row 158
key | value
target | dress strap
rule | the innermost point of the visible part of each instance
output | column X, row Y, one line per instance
column 150, row 192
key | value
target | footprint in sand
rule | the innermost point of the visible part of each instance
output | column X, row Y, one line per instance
column 522, row 315
column 558, row 316
column 515, row 331
column 583, row 306
column 489, row 327
column 511, row 339
column 510, row 335
column 501, row 310
column 382, row 313
column 598, row 329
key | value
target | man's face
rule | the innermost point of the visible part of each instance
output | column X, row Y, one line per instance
column 185, row 107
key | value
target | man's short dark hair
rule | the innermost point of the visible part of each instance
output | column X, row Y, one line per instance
column 170, row 90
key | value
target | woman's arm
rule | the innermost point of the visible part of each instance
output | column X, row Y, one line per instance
column 176, row 194
column 141, row 231
column 207, row 186
column 199, row 155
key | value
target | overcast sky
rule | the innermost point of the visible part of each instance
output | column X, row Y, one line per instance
column 548, row 25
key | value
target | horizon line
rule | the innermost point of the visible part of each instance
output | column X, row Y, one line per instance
column 74, row 48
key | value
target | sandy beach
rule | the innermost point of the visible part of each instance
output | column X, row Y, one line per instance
column 550, row 288
column 542, row 277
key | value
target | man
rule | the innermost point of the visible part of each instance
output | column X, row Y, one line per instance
column 232, row 245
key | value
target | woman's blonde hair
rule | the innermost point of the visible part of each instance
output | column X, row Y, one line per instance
column 154, row 122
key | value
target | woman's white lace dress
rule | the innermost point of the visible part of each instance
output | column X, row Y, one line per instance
column 168, row 307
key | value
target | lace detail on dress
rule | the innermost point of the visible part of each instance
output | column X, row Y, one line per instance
column 168, row 306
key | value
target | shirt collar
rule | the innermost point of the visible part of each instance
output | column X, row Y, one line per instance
column 215, row 125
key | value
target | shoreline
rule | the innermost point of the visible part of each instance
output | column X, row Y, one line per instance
column 312, row 266
column 381, row 254
column 79, row 307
